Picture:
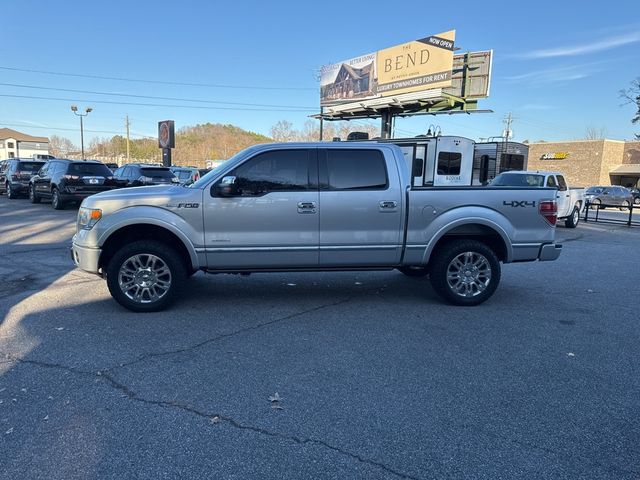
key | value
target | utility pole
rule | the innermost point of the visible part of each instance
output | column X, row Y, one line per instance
column 508, row 121
column 127, row 124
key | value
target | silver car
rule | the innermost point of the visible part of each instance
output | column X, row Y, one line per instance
column 613, row 196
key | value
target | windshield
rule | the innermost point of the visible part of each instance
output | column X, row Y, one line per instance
column 89, row 169
column 30, row 166
column 518, row 180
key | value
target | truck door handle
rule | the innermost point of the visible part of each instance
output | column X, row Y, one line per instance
column 388, row 204
column 306, row 207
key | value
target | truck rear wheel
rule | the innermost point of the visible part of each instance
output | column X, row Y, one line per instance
column 465, row 272
column 145, row 276
column 573, row 219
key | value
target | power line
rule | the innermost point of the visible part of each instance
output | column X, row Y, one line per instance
column 199, row 107
column 141, row 135
column 305, row 108
column 157, row 82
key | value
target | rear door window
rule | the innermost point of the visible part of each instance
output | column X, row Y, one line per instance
column 352, row 169
column 562, row 184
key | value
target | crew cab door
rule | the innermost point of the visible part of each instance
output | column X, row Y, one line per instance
column 271, row 218
column 361, row 205
column 563, row 195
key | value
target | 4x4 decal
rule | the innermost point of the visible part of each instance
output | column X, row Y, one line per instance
column 522, row 203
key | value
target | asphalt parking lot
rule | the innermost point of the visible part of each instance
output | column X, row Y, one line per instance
column 376, row 378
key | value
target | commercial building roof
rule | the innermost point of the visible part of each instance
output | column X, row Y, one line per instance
column 630, row 169
column 21, row 137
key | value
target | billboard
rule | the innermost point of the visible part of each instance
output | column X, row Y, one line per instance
column 471, row 77
column 166, row 134
column 413, row 66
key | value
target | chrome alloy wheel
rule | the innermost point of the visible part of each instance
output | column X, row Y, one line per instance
column 469, row 274
column 144, row 278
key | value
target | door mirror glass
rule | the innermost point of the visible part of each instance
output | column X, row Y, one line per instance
column 227, row 187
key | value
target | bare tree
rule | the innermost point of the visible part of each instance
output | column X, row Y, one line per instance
column 631, row 95
column 60, row 146
column 283, row 131
column 594, row 133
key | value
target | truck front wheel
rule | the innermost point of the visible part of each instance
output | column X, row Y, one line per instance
column 145, row 276
column 465, row 272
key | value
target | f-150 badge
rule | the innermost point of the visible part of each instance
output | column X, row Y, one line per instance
column 183, row 205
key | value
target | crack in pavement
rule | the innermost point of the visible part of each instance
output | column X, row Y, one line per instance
column 131, row 395
column 231, row 334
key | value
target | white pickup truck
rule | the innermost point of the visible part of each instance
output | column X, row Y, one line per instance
column 570, row 200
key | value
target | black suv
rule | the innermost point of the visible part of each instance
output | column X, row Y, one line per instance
column 15, row 174
column 140, row 174
column 65, row 181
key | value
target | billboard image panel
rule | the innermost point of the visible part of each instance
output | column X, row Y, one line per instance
column 413, row 66
column 348, row 80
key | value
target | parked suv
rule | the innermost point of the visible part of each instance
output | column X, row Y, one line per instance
column 65, row 181
column 15, row 174
column 140, row 174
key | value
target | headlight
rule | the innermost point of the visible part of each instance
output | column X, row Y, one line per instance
column 88, row 217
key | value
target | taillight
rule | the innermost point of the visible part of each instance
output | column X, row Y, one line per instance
column 549, row 210
column 16, row 175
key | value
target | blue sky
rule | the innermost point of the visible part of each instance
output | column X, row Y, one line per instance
column 558, row 66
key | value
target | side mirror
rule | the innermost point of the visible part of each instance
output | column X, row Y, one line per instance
column 227, row 187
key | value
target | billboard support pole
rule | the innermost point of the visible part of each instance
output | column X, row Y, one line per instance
column 166, row 157
column 386, row 124
column 321, row 120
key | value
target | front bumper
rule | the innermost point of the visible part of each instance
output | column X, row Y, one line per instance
column 550, row 252
column 86, row 258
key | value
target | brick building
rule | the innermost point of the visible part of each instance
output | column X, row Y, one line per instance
column 589, row 162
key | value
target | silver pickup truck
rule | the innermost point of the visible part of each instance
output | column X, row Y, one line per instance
column 312, row 207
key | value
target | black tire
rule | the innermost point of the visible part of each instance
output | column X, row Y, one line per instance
column 10, row 192
column 165, row 270
column 472, row 286
column 636, row 201
column 56, row 201
column 33, row 196
column 573, row 219
column 624, row 206
column 414, row 271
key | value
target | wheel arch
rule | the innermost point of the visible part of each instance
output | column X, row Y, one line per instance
column 486, row 232
column 140, row 231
